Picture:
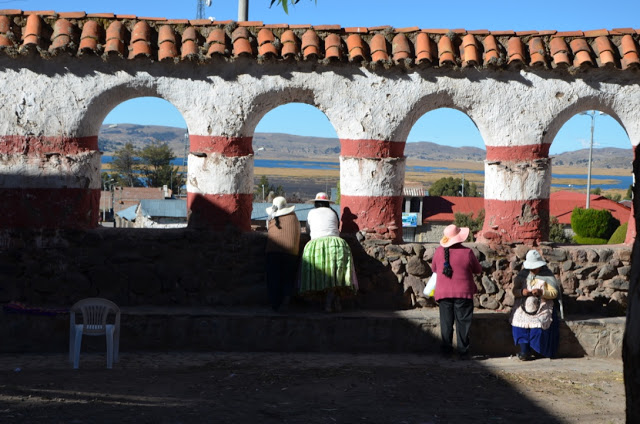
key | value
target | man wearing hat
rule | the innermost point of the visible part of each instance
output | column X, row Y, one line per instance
column 534, row 318
column 283, row 244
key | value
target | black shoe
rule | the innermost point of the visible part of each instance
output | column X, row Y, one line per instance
column 525, row 356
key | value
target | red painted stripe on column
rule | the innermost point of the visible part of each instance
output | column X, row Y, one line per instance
column 372, row 213
column 36, row 146
column 72, row 208
column 216, row 211
column 516, row 220
column 518, row 153
column 371, row 148
column 227, row 146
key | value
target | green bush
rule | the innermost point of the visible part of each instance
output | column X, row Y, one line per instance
column 466, row 220
column 589, row 240
column 593, row 223
column 619, row 235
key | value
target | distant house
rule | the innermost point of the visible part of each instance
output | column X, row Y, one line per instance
column 439, row 211
column 412, row 208
column 154, row 213
column 562, row 203
column 124, row 197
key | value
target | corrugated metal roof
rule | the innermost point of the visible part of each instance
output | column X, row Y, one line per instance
column 129, row 213
column 168, row 208
column 415, row 192
column 259, row 213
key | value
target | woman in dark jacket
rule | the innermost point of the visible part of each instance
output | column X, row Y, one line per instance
column 455, row 265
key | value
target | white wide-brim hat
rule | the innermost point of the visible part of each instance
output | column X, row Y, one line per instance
column 321, row 197
column 533, row 260
column 279, row 207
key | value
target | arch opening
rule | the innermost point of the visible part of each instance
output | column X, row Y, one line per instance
column 444, row 175
column 144, row 144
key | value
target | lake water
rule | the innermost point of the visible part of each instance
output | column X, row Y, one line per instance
column 621, row 182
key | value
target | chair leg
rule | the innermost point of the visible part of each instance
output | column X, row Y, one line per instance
column 76, row 348
column 109, row 334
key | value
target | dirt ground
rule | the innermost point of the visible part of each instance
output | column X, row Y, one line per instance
column 308, row 388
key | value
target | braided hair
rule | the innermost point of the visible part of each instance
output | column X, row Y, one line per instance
column 277, row 218
column 447, row 270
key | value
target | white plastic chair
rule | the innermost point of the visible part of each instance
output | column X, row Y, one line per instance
column 95, row 312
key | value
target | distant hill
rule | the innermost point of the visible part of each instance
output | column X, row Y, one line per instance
column 283, row 146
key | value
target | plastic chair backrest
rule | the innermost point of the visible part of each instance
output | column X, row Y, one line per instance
column 95, row 311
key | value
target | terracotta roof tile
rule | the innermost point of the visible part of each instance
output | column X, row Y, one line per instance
column 140, row 40
column 623, row 31
column 537, row 52
column 446, row 53
column 6, row 35
column 425, row 49
column 356, row 48
column 167, row 49
column 189, row 43
column 570, row 34
column 101, row 15
column 240, row 38
column 62, row 31
column 581, row 52
column 266, row 46
column 491, row 51
column 160, row 39
column 470, row 52
column 327, row 27
column 290, row 45
column 605, row 51
column 248, row 23
column 358, row 30
column 89, row 39
column 72, row 15
column 333, row 47
column 378, row 48
column 596, row 33
column 525, row 33
column 629, row 52
column 408, row 29
column 32, row 31
column 310, row 44
column 400, row 48
column 115, row 39
column 217, row 42
column 559, row 52
column 515, row 51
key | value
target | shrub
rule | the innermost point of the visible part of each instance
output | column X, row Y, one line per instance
column 556, row 232
column 466, row 220
column 589, row 240
column 619, row 235
column 593, row 223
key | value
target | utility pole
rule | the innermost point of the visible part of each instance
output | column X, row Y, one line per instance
column 243, row 10
column 592, row 115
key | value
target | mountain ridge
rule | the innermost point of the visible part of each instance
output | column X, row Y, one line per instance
column 280, row 145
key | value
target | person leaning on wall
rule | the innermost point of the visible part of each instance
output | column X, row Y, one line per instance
column 327, row 264
column 454, row 266
column 283, row 244
column 537, row 309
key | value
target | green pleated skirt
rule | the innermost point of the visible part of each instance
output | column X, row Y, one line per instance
column 327, row 264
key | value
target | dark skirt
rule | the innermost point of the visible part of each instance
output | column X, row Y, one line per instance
column 545, row 342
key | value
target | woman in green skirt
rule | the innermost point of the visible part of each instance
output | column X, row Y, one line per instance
column 327, row 264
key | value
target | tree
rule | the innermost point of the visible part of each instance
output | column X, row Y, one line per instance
column 156, row 166
column 285, row 4
column 126, row 164
column 597, row 191
column 449, row 186
column 264, row 188
column 467, row 220
column 629, row 193
column 556, row 232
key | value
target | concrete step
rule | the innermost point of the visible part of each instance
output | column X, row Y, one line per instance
column 300, row 330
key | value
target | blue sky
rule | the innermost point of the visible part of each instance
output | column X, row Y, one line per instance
column 561, row 15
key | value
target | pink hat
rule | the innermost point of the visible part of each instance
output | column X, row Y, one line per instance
column 452, row 235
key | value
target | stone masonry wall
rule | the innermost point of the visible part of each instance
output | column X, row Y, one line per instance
column 595, row 279
column 183, row 267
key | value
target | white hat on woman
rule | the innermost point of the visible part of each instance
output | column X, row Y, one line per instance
column 533, row 260
column 279, row 207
